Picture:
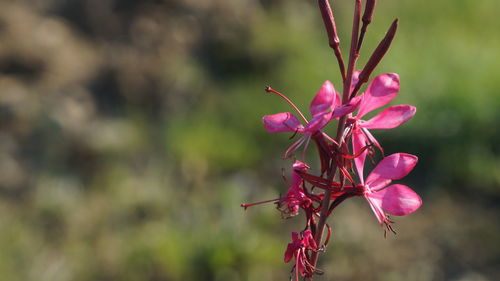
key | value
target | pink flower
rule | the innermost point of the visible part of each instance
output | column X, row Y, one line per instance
column 298, row 249
column 325, row 106
column 382, row 90
column 295, row 197
column 396, row 199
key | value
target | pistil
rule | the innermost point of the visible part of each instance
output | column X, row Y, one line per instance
column 271, row 90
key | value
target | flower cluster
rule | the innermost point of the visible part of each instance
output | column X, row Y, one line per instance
column 342, row 157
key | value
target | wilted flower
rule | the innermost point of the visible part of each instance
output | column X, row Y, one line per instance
column 299, row 249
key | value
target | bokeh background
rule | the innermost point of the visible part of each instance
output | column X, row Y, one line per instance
column 130, row 133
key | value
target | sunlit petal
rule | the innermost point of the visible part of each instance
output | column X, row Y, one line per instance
column 282, row 122
column 382, row 90
column 390, row 117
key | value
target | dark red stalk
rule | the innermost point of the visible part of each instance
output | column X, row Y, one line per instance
column 339, row 200
column 331, row 30
column 350, row 157
column 376, row 57
column 353, row 55
column 367, row 19
column 328, row 185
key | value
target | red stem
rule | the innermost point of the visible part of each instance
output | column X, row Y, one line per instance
column 367, row 19
column 353, row 55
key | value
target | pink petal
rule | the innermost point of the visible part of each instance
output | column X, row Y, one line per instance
column 398, row 199
column 300, row 264
column 282, row 122
column 290, row 249
column 295, row 146
column 324, row 99
column 296, row 178
column 300, row 166
column 358, row 142
column 308, row 239
column 347, row 108
column 390, row 117
column 318, row 122
column 392, row 167
column 380, row 92
column 375, row 205
column 379, row 184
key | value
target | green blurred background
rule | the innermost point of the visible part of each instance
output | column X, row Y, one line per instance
column 130, row 133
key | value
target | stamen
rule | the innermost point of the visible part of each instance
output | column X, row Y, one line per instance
column 319, row 181
column 308, row 194
column 372, row 140
column 308, row 138
column 308, row 266
column 319, row 271
column 343, row 171
column 388, row 227
column 294, row 147
column 270, row 90
column 350, row 157
column 346, row 134
column 330, row 139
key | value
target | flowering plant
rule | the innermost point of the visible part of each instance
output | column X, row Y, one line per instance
column 342, row 158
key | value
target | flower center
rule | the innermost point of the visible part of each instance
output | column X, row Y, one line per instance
column 367, row 189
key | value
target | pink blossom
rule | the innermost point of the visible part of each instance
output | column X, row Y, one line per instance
column 396, row 199
column 382, row 90
column 298, row 249
column 319, row 193
column 325, row 106
column 295, row 197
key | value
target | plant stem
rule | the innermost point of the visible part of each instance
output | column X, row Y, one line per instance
column 367, row 19
column 353, row 55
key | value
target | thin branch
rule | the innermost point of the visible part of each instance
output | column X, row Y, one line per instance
column 333, row 167
column 367, row 19
column 331, row 30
